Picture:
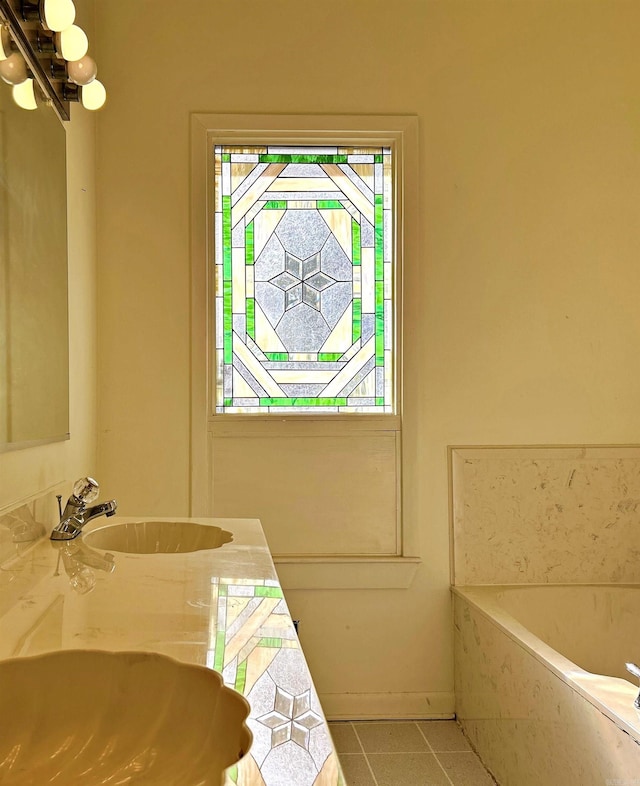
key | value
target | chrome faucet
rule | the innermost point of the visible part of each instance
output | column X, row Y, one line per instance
column 76, row 513
column 635, row 670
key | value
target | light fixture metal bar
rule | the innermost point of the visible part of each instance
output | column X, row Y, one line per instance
column 18, row 29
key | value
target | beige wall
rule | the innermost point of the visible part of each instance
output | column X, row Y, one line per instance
column 530, row 175
column 27, row 473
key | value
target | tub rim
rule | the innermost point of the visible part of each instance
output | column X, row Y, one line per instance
column 612, row 696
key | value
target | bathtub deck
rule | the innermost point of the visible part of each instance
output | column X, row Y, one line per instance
column 534, row 716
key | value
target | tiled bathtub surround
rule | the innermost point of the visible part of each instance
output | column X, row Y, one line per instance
column 538, row 678
column 527, row 710
column 546, row 515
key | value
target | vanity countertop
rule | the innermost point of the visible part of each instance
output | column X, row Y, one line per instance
column 223, row 608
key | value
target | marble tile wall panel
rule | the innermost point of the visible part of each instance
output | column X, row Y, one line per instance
column 528, row 726
column 538, row 515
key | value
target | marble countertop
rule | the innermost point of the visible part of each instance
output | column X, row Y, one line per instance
column 223, row 608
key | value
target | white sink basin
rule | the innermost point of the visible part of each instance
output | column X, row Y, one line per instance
column 83, row 718
column 157, row 537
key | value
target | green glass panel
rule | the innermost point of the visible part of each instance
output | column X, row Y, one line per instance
column 226, row 236
column 305, row 158
column 329, row 357
column 218, row 661
column 226, row 157
column 276, row 402
column 241, row 676
column 268, row 592
column 379, row 323
column 380, row 401
column 270, row 641
column 251, row 317
column 227, row 321
column 379, row 297
column 355, row 242
column 329, row 204
column 222, row 591
column 379, row 237
column 248, row 244
column 377, row 158
column 280, row 357
column 232, row 772
column 228, row 402
column 356, row 330
column 275, row 204
column 303, row 402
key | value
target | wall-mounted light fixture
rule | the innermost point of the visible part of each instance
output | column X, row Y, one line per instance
column 43, row 54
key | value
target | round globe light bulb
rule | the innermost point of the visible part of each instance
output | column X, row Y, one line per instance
column 58, row 14
column 13, row 69
column 93, row 95
column 24, row 94
column 82, row 71
column 72, row 43
column 5, row 44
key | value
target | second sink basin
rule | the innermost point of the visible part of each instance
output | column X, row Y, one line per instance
column 157, row 537
column 85, row 718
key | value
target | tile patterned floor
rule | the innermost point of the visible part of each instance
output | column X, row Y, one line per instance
column 407, row 753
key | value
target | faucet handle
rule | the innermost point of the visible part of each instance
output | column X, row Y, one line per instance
column 635, row 670
column 86, row 489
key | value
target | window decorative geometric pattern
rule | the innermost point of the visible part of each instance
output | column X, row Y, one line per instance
column 304, row 279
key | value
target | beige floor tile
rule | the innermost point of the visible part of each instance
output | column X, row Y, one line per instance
column 395, row 737
column 444, row 735
column 344, row 738
column 465, row 769
column 356, row 770
column 407, row 769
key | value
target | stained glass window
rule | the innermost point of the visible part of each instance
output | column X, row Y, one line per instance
column 304, row 279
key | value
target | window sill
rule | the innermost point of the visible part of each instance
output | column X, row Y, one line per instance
column 357, row 572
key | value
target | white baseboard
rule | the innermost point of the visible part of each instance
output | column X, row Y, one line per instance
column 388, row 706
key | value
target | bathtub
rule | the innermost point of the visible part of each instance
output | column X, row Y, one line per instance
column 541, row 686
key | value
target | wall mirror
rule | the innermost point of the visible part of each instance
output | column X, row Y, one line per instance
column 34, row 341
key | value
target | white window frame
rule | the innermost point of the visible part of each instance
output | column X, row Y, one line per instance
column 400, row 133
